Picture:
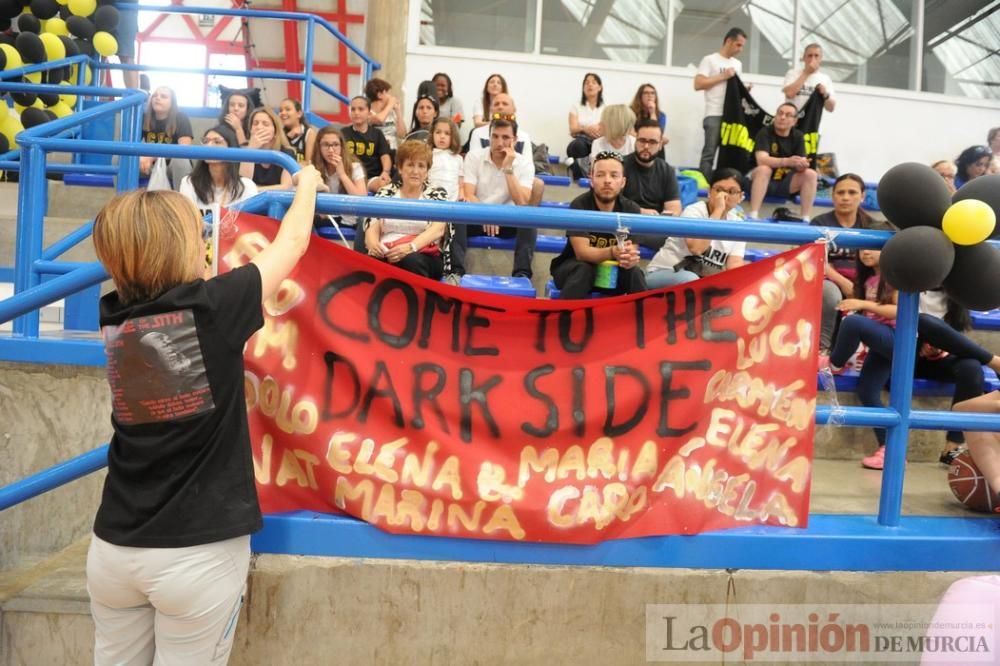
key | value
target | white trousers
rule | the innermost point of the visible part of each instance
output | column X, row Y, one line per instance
column 166, row 606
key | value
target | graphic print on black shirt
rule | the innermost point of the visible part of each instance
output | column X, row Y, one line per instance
column 156, row 368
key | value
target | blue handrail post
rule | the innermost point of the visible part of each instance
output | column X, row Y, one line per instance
column 310, row 36
column 903, row 356
column 128, row 165
column 31, row 204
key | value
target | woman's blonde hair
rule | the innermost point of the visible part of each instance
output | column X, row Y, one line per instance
column 617, row 120
column 280, row 141
column 148, row 242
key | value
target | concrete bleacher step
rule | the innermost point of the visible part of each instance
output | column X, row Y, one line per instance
column 427, row 612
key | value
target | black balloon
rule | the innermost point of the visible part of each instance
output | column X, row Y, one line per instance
column 5, row 24
column 23, row 98
column 44, row 9
column 81, row 27
column 29, row 23
column 4, row 144
column 985, row 189
column 49, row 99
column 30, row 47
column 33, row 116
column 106, row 18
column 64, row 12
column 6, row 38
column 85, row 47
column 913, row 194
column 917, row 258
column 50, row 114
column 9, row 8
column 71, row 47
column 974, row 278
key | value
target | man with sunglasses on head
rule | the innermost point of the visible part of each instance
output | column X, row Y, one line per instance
column 497, row 175
column 575, row 269
column 782, row 166
column 501, row 106
column 649, row 180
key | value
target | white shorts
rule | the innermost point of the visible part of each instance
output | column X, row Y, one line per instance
column 166, row 606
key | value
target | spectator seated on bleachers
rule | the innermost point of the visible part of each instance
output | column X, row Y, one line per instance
column 848, row 193
column 300, row 135
column 499, row 175
column 425, row 112
column 342, row 173
column 782, row 166
column 972, row 163
column 585, row 124
column 413, row 245
column 368, row 144
column 495, row 84
column 266, row 134
column 596, row 260
column 618, row 122
column 386, row 113
column 650, row 181
column 214, row 182
column 164, row 122
column 683, row 260
column 503, row 107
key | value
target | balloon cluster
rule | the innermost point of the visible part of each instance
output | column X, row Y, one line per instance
column 49, row 30
column 941, row 242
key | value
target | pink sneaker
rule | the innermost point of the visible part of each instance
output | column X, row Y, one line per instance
column 875, row 460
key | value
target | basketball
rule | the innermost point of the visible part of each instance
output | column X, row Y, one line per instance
column 969, row 485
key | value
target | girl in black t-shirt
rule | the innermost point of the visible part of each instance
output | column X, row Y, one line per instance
column 164, row 122
column 301, row 137
column 266, row 134
column 236, row 114
column 167, row 566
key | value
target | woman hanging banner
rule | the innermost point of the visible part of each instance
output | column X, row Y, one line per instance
column 429, row 409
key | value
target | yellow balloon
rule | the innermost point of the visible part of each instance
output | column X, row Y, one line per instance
column 968, row 222
column 39, row 104
column 13, row 57
column 61, row 110
column 54, row 48
column 11, row 129
column 63, row 2
column 34, row 77
column 82, row 7
column 56, row 26
column 105, row 43
column 69, row 99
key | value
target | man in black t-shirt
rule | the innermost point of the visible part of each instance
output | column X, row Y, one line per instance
column 782, row 166
column 650, row 181
column 575, row 269
column 368, row 144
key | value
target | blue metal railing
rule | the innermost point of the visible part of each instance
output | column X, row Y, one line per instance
column 306, row 76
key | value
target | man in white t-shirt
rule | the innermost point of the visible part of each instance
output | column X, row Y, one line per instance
column 714, row 72
column 800, row 83
column 497, row 175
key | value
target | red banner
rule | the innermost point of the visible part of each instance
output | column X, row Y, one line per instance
column 429, row 409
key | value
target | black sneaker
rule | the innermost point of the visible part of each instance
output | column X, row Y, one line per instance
column 948, row 457
column 524, row 274
column 784, row 214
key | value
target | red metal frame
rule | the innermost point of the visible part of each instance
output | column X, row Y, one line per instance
column 339, row 17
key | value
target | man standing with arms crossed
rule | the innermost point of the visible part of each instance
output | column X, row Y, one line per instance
column 714, row 72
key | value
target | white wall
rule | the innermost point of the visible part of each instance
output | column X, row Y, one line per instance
column 871, row 130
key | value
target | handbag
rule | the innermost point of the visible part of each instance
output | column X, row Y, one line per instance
column 697, row 265
column 158, row 178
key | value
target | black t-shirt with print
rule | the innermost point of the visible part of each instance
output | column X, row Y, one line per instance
column 780, row 146
column 586, row 201
column 158, row 130
column 180, row 471
column 368, row 147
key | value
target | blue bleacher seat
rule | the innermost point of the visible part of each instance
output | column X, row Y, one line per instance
column 90, row 180
column 330, row 233
column 500, row 284
column 561, row 181
column 554, row 159
column 848, row 382
column 986, row 321
column 552, row 291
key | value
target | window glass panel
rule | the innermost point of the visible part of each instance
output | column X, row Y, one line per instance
column 960, row 49
column 479, row 24
column 619, row 30
column 700, row 25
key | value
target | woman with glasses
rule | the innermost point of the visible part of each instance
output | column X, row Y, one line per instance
column 413, row 245
column 683, row 260
column 342, row 173
column 646, row 105
column 213, row 181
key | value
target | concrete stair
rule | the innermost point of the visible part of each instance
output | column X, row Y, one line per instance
column 358, row 611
